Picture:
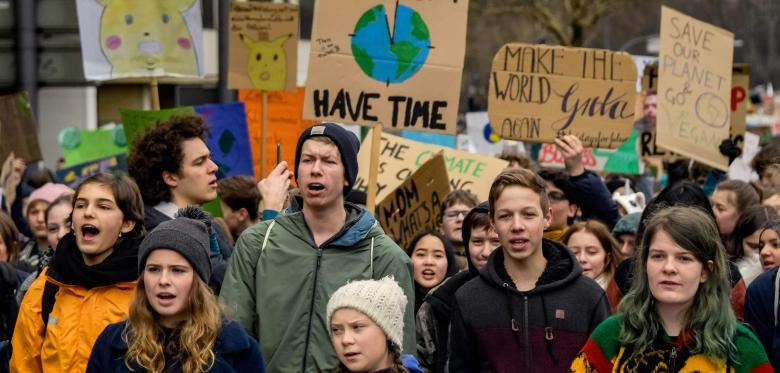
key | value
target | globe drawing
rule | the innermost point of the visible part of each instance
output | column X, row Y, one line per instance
column 390, row 58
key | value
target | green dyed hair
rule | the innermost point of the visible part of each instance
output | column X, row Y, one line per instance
column 712, row 329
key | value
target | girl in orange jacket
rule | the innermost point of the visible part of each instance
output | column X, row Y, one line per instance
column 89, row 282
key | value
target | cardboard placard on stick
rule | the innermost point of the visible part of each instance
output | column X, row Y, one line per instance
column 393, row 62
column 263, row 46
column 415, row 205
column 18, row 132
column 400, row 157
column 539, row 92
column 694, row 85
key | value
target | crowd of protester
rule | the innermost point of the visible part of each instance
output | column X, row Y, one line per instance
column 558, row 271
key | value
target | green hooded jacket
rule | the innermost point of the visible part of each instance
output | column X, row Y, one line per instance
column 278, row 284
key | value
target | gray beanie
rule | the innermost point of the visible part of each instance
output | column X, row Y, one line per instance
column 381, row 300
column 188, row 237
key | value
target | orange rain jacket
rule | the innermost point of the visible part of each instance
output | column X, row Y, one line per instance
column 78, row 317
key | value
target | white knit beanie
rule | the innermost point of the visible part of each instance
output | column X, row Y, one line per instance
column 381, row 300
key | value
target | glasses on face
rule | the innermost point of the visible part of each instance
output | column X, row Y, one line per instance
column 556, row 195
column 454, row 213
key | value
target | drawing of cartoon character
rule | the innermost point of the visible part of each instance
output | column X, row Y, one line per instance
column 148, row 37
column 267, row 63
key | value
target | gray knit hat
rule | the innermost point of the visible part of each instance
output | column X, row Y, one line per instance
column 185, row 235
column 381, row 300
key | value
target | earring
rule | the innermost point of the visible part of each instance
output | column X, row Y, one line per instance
column 120, row 234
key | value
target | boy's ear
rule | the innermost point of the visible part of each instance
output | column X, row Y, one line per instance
column 170, row 179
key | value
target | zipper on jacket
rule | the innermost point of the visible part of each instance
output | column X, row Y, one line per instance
column 527, row 338
column 673, row 358
column 311, row 309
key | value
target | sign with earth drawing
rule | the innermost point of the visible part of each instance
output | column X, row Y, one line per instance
column 694, row 87
column 539, row 92
column 394, row 62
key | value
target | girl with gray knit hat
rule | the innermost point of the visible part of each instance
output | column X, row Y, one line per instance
column 175, row 323
column 366, row 325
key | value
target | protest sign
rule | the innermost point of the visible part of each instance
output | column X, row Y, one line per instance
column 447, row 141
column 399, row 158
column 142, row 38
column 539, row 92
column 398, row 63
column 694, row 87
column 263, row 46
column 18, row 133
column 136, row 122
column 228, row 138
column 284, row 124
column 550, row 157
column 74, row 175
column 740, row 79
column 740, row 84
column 415, row 205
column 81, row 146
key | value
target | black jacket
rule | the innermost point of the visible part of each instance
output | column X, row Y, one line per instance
column 496, row 328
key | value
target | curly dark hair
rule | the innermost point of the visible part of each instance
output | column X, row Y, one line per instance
column 158, row 150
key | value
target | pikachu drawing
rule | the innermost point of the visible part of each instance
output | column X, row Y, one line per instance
column 148, row 37
column 267, row 63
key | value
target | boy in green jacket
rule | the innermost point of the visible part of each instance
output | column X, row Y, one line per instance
column 284, row 270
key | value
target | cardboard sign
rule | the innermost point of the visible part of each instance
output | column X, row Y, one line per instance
column 285, row 124
column 415, row 205
column 263, row 46
column 399, row 158
column 136, row 122
column 82, row 146
column 18, row 133
column 228, row 138
column 141, row 38
column 740, row 85
column 539, row 92
column 398, row 63
column 74, row 175
column 740, row 79
column 694, row 87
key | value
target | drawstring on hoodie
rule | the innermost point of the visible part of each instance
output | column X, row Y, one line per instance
column 548, row 332
column 514, row 323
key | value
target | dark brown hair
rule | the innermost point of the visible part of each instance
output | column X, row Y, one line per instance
column 240, row 192
column 747, row 194
column 10, row 236
column 159, row 150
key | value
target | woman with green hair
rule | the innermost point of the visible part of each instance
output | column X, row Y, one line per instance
column 677, row 316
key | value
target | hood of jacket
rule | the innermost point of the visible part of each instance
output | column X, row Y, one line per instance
column 561, row 269
column 153, row 217
column 358, row 225
column 482, row 208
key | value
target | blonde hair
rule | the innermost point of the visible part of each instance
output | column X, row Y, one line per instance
column 196, row 341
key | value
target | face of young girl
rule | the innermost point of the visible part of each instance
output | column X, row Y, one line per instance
column 168, row 278
column 589, row 252
column 429, row 262
column 769, row 241
column 673, row 272
column 360, row 343
column 97, row 222
column 725, row 211
column 57, row 223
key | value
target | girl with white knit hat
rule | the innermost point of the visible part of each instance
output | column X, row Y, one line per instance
column 366, row 323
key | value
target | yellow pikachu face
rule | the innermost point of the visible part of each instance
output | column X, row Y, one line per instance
column 147, row 35
column 267, row 63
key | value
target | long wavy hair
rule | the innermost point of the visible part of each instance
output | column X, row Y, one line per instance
column 197, row 338
column 395, row 353
column 712, row 330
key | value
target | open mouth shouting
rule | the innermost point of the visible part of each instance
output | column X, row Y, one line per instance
column 315, row 189
column 428, row 274
column 89, row 232
column 165, row 299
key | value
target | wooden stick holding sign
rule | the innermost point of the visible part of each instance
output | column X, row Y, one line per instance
column 263, row 131
column 155, row 94
column 373, row 169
